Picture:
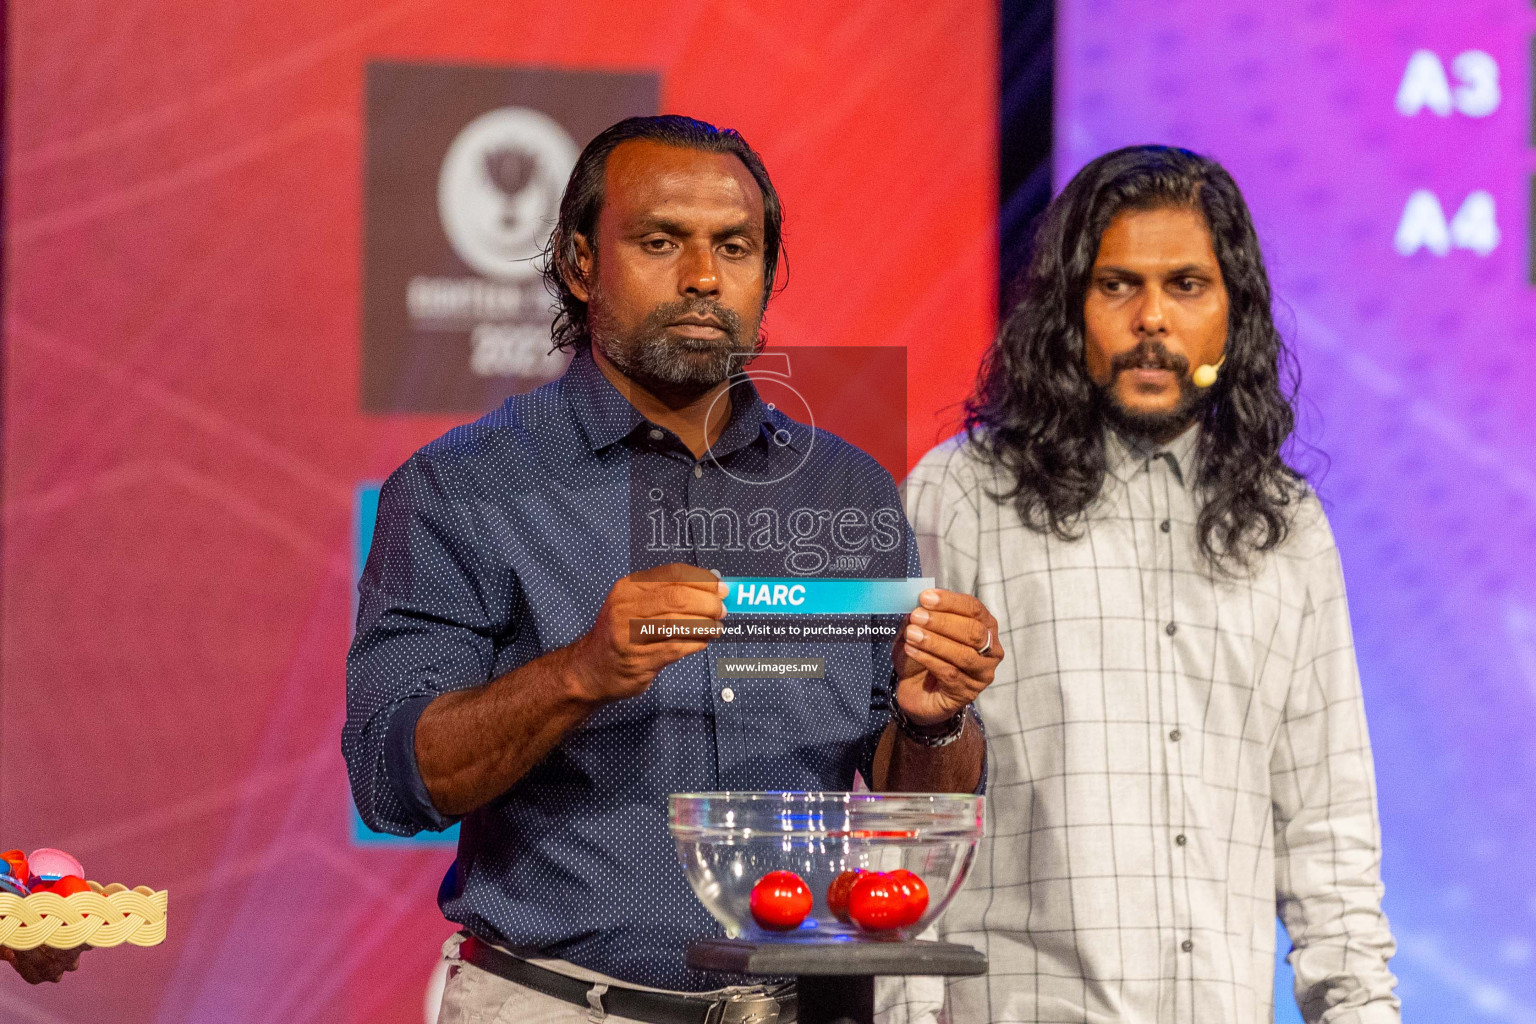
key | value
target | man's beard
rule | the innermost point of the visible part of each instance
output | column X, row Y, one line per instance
column 1151, row 426
column 652, row 359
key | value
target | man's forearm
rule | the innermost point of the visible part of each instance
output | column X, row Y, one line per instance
column 903, row 765
column 473, row 745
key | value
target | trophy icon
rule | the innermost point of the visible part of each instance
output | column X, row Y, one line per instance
column 498, row 193
column 511, row 170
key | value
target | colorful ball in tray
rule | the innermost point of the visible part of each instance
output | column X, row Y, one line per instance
column 51, row 865
column 780, row 901
column 16, row 865
column 66, row 886
column 46, row 870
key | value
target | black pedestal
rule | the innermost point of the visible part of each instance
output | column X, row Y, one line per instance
column 836, row 979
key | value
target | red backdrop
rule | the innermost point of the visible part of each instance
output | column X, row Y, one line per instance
column 182, row 437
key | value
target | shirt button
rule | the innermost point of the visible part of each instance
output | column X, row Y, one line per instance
column 727, row 694
column 698, row 470
column 1175, row 735
column 1171, row 628
column 1181, row 839
column 656, row 435
column 1165, row 526
column 1187, row 945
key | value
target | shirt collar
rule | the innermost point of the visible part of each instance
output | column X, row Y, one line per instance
column 751, row 420
column 604, row 416
column 1125, row 456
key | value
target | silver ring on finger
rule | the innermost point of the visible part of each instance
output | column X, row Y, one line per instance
column 986, row 648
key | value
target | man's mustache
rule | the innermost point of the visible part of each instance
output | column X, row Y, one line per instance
column 1149, row 354
column 698, row 311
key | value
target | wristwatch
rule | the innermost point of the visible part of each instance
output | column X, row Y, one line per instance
column 941, row 734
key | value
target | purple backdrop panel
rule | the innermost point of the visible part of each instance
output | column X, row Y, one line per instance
column 1386, row 150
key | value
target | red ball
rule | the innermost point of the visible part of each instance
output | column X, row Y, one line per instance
column 915, row 891
column 780, row 901
column 837, row 894
column 68, row 886
column 877, row 903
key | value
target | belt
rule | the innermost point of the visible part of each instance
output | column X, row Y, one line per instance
column 747, row 1007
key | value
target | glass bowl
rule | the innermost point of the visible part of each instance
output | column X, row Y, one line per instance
column 727, row 842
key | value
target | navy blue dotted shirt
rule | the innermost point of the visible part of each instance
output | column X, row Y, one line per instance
column 499, row 542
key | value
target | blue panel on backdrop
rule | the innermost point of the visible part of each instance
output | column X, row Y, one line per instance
column 365, row 507
column 1286, row 1010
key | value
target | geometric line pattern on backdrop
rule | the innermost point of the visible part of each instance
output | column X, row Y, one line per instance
column 1485, row 995
column 1501, row 465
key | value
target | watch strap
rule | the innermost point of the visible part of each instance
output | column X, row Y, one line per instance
column 940, row 735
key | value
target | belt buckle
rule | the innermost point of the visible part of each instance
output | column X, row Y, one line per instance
column 750, row 1009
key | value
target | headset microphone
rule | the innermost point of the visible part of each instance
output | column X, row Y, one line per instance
column 1205, row 374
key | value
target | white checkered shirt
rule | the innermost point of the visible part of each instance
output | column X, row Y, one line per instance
column 1172, row 756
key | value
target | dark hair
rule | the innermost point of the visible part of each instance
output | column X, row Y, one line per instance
column 1037, row 413
column 583, row 201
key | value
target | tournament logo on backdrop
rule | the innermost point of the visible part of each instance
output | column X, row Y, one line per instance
column 499, row 190
column 465, row 169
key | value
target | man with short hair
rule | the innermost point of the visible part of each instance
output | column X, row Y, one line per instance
column 1177, row 741
column 494, row 679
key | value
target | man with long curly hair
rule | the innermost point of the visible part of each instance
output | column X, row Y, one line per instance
column 1177, row 740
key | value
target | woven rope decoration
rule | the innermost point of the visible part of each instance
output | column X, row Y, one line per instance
column 107, row 916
